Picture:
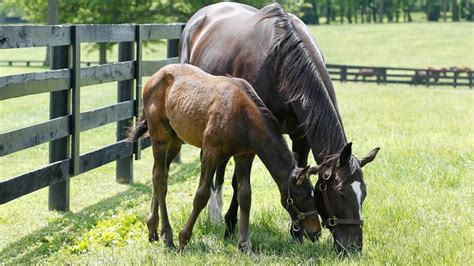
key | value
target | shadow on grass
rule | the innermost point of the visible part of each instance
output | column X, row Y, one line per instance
column 183, row 171
column 267, row 239
column 64, row 230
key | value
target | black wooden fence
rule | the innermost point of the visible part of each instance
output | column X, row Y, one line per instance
column 63, row 83
column 413, row 76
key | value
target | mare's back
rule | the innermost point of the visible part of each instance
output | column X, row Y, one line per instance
column 228, row 38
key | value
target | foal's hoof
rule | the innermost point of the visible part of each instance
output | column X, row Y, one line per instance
column 153, row 237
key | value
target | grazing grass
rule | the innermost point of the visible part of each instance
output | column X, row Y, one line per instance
column 398, row 45
column 420, row 186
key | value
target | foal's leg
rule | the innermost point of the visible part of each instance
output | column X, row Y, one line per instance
column 214, row 209
column 160, row 176
column 166, row 230
column 209, row 162
column 300, row 146
column 152, row 222
column 243, row 167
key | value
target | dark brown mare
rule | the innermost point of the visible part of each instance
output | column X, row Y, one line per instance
column 276, row 54
column 224, row 117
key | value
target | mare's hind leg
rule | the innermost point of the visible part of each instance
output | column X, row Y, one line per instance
column 243, row 167
column 300, row 147
column 209, row 162
column 214, row 208
column 231, row 215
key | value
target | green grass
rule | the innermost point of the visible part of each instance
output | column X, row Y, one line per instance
column 420, row 186
column 398, row 45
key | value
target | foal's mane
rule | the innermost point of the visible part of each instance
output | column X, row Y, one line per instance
column 300, row 80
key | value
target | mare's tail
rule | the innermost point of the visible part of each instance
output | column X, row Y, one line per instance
column 139, row 130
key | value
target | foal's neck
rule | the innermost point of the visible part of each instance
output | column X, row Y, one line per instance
column 272, row 149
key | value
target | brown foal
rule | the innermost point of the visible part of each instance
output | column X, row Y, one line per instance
column 224, row 117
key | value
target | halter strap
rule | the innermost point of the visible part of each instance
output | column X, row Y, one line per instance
column 300, row 216
column 333, row 220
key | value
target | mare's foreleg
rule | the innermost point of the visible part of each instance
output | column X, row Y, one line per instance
column 243, row 167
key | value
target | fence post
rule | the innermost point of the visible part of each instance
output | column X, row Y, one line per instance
column 59, row 103
column 343, row 73
column 469, row 74
column 173, row 51
column 75, row 99
column 124, row 166
column 455, row 78
column 138, row 85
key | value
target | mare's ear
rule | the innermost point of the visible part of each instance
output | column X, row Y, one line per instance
column 346, row 154
column 302, row 175
column 369, row 157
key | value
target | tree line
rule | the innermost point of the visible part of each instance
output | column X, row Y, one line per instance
column 311, row 11
column 163, row 11
column 380, row 11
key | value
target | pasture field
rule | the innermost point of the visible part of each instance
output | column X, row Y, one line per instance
column 419, row 208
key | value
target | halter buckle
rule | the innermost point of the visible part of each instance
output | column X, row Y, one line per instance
column 301, row 216
column 323, row 187
column 289, row 201
column 332, row 221
column 295, row 226
column 327, row 175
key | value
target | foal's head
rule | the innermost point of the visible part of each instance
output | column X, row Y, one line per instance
column 301, row 204
column 339, row 194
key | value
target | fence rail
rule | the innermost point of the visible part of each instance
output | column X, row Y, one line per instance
column 63, row 82
column 413, row 76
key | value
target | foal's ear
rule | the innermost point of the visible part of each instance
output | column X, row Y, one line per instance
column 346, row 154
column 314, row 170
column 369, row 157
column 302, row 175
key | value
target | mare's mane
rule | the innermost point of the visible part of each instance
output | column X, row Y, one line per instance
column 300, row 80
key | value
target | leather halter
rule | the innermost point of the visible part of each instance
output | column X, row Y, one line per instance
column 300, row 216
column 333, row 220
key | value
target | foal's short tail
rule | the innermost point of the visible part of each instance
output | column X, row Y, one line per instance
column 139, row 130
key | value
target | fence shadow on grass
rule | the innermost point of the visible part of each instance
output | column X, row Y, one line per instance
column 61, row 231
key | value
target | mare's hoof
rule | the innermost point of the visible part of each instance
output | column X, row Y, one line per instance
column 246, row 248
column 153, row 237
column 228, row 234
column 170, row 245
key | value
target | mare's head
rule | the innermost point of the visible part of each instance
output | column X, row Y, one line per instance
column 339, row 194
column 301, row 205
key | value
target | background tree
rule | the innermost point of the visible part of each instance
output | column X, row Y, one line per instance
column 455, row 10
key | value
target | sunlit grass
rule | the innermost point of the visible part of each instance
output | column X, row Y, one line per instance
column 420, row 186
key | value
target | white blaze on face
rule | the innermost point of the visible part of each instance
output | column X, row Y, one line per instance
column 357, row 190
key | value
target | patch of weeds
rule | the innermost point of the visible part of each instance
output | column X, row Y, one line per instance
column 118, row 231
